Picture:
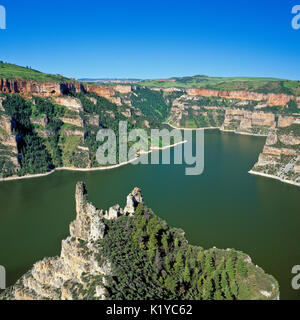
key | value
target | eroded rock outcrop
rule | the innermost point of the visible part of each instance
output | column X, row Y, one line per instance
column 70, row 103
column 29, row 87
column 53, row 89
column 70, row 276
column 8, row 146
column 281, row 154
column 243, row 121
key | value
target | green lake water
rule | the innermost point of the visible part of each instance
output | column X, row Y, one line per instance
column 224, row 207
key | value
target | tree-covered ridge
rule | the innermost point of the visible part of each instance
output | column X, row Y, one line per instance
column 32, row 154
column 150, row 260
column 12, row 71
column 48, row 135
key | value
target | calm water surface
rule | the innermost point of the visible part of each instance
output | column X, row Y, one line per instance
column 224, row 207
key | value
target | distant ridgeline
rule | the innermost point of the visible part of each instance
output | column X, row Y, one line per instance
column 56, row 118
column 132, row 254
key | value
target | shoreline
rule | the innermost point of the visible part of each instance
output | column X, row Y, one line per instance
column 220, row 129
column 39, row 175
column 244, row 133
column 191, row 129
column 270, row 176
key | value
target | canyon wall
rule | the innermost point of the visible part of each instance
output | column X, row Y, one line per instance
column 280, row 158
column 48, row 89
column 45, row 89
column 252, row 122
column 272, row 99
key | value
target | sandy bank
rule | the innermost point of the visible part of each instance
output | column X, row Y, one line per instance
column 274, row 177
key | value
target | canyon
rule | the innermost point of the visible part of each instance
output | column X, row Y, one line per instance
column 54, row 88
column 241, row 112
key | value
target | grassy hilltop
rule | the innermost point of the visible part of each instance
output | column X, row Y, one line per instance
column 264, row 85
column 12, row 71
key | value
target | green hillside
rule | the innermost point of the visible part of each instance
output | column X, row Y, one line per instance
column 264, row 85
column 12, row 71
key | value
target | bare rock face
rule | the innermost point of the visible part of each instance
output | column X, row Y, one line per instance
column 243, row 121
column 88, row 224
column 272, row 99
column 297, row 167
column 102, row 91
column 8, row 143
column 42, row 121
column 123, row 89
column 76, row 121
column 285, row 121
column 114, row 212
column 92, row 120
column 281, row 154
column 126, row 113
column 64, row 277
column 272, row 138
column 1, row 106
column 289, row 139
column 43, row 89
column 70, row 103
column 94, row 100
column 5, row 124
column 133, row 200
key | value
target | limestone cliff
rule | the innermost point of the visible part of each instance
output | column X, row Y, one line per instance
column 271, row 98
column 8, row 144
column 80, row 262
column 105, row 249
column 53, row 89
column 252, row 122
column 280, row 158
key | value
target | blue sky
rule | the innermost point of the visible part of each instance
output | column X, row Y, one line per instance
column 153, row 39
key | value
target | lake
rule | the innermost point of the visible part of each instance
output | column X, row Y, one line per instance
column 224, row 207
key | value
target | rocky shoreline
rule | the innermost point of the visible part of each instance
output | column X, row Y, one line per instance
column 256, row 173
column 13, row 178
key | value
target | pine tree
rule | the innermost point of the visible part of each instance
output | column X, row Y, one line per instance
column 230, row 269
column 209, row 265
column 207, row 289
column 165, row 242
column 218, row 295
column 179, row 265
column 234, row 289
column 186, row 274
column 241, row 267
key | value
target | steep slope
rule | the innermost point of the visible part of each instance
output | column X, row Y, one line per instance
column 58, row 119
column 15, row 72
column 280, row 158
column 130, row 253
